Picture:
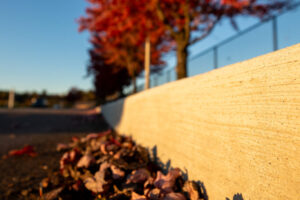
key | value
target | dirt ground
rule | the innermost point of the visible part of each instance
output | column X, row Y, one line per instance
column 42, row 128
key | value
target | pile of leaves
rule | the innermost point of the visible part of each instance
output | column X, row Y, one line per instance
column 109, row 166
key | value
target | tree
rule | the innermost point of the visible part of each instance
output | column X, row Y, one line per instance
column 74, row 95
column 123, row 25
column 121, row 28
column 108, row 79
column 184, row 18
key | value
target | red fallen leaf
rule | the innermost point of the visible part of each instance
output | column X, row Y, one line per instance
column 166, row 182
column 174, row 196
column 135, row 196
column 138, row 176
column 28, row 150
column 114, row 141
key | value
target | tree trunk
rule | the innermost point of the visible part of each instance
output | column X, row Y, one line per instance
column 134, row 84
column 181, row 67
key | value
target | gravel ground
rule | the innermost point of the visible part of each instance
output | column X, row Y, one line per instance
column 43, row 129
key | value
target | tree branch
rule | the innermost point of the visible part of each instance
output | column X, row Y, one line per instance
column 162, row 17
column 187, row 21
column 206, row 33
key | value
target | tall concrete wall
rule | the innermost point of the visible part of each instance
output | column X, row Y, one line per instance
column 236, row 129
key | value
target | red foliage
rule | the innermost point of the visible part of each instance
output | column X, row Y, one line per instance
column 121, row 26
column 26, row 150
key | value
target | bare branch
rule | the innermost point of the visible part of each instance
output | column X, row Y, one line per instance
column 208, row 30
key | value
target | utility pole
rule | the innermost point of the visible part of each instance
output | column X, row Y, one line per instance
column 147, row 63
column 11, row 99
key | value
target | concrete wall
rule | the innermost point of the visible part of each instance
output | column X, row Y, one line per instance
column 236, row 129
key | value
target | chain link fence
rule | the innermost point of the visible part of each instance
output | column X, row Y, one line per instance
column 274, row 33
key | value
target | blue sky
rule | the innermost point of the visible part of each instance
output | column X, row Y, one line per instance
column 40, row 47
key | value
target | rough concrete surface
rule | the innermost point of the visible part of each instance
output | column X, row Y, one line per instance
column 236, row 129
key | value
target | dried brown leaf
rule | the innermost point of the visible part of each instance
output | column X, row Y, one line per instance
column 167, row 182
column 138, row 176
column 96, row 184
column 154, row 194
column 53, row 194
column 85, row 161
column 192, row 189
column 174, row 196
column 136, row 196
column 116, row 172
column 61, row 146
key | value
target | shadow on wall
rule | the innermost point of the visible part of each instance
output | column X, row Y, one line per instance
column 201, row 188
column 117, row 109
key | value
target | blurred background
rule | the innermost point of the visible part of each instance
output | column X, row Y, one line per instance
column 44, row 60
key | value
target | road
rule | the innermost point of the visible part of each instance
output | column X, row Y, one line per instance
column 28, row 126
column 43, row 129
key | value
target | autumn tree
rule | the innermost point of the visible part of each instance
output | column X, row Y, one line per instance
column 121, row 28
column 189, row 21
column 108, row 79
column 122, row 25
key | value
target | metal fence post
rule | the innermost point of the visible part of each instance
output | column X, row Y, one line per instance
column 215, row 49
column 155, row 80
column 275, row 33
column 168, row 76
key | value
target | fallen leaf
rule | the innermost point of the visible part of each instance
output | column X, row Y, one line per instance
column 166, row 182
column 53, row 194
column 154, row 194
column 116, row 172
column 174, row 196
column 69, row 157
column 136, row 196
column 104, row 166
column 96, row 184
column 28, row 150
column 138, row 176
column 103, row 148
column 45, row 182
column 192, row 189
column 61, row 146
column 85, row 161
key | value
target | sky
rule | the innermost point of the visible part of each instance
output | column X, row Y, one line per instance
column 41, row 49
